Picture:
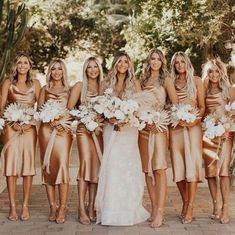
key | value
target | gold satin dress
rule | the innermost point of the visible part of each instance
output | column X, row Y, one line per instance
column 160, row 139
column 186, row 167
column 222, row 147
column 20, row 154
column 59, row 159
column 88, row 156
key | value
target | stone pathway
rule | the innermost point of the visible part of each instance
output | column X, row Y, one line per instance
column 38, row 224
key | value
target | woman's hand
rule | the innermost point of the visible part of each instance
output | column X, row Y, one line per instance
column 25, row 127
column 189, row 124
column 16, row 126
column 112, row 120
column 56, row 124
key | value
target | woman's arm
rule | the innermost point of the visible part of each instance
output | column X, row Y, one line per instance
column 5, row 87
column 74, row 95
column 170, row 88
column 37, row 88
column 200, row 96
column 42, row 97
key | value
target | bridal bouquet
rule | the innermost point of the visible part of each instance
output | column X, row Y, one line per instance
column 160, row 119
column 87, row 115
column 124, row 111
column 53, row 111
column 216, row 125
column 18, row 113
column 183, row 112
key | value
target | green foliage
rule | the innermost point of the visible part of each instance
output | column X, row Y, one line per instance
column 196, row 26
column 12, row 28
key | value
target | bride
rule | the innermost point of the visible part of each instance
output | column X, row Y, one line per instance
column 121, row 182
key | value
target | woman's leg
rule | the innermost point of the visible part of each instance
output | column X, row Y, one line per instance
column 183, row 189
column 27, row 186
column 63, row 196
column 225, row 191
column 82, row 189
column 161, row 190
column 52, row 201
column 212, row 183
column 11, row 187
column 152, row 189
column 91, row 205
column 192, row 188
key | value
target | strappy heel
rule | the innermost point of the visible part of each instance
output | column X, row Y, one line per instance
column 13, row 217
column 184, row 209
column 224, row 220
column 158, row 224
column 24, row 217
column 188, row 220
column 216, row 213
column 61, row 215
column 53, row 210
column 85, row 220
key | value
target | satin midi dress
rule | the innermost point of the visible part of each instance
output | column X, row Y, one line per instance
column 186, row 165
column 160, row 138
column 88, row 155
column 19, row 157
column 59, row 159
column 221, row 147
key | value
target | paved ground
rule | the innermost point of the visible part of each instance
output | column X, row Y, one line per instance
column 38, row 224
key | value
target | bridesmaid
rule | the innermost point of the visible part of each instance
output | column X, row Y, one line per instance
column 156, row 80
column 19, row 158
column 57, row 89
column 88, row 155
column 187, row 169
column 217, row 93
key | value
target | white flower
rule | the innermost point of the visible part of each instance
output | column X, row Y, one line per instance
column 2, row 123
column 91, row 126
column 118, row 114
column 108, row 91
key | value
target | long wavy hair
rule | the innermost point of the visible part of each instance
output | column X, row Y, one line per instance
column 147, row 68
column 85, row 78
column 64, row 70
column 112, row 74
column 190, row 80
column 224, row 83
column 14, row 72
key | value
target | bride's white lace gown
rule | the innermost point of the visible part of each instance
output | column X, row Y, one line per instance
column 121, row 181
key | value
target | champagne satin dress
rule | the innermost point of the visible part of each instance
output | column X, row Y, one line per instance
column 160, row 139
column 88, row 155
column 186, row 160
column 20, row 154
column 59, row 160
column 221, row 147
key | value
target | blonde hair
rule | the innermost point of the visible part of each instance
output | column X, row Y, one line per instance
column 112, row 74
column 190, row 80
column 14, row 72
column 224, row 83
column 147, row 68
column 64, row 70
column 85, row 78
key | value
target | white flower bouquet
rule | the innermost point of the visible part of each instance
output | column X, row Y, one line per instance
column 87, row 115
column 2, row 123
column 230, row 107
column 53, row 111
column 183, row 112
column 161, row 119
column 19, row 113
column 216, row 125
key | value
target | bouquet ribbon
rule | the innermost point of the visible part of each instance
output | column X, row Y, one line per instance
column 16, row 136
column 151, row 141
column 47, row 155
column 97, row 145
column 188, row 159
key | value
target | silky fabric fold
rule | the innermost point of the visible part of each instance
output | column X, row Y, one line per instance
column 17, row 154
column 160, row 139
column 223, row 148
column 88, row 156
column 181, row 155
column 61, row 151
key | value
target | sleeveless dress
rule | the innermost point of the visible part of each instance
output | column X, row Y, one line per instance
column 160, row 138
column 88, row 156
column 223, row 148
column 121, row 181
column 59, row 159
column 20, row 154
column 188, row 166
